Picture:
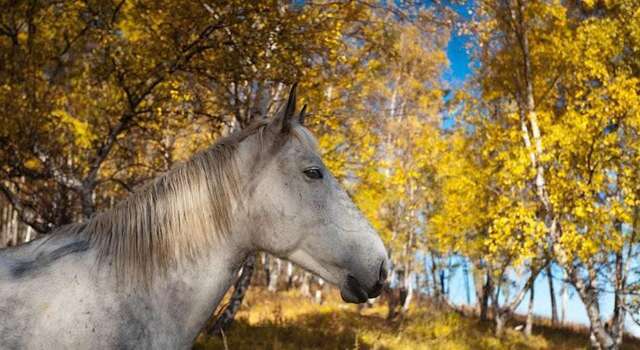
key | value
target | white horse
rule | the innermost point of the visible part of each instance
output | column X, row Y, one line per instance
column 149, row 272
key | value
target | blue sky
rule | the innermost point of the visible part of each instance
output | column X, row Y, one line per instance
column 459, row 70
column 459, row 61
column 576, row 312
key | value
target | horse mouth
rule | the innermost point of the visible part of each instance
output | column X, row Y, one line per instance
column 353, row 292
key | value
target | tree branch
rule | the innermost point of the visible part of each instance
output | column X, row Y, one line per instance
column 25, row 212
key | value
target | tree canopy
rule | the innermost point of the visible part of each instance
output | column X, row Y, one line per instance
column 539, row 170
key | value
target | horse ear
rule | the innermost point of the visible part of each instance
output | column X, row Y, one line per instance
column 302, row 115
column 290, row 110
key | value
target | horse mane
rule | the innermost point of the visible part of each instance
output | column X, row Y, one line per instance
column 175, row 218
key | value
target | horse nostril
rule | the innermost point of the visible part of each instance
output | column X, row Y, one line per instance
column 376, row 290
column 383, row 272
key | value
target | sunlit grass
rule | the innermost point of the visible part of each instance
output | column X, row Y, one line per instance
column 288, row 321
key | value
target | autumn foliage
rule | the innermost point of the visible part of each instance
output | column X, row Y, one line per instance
column 535, row 170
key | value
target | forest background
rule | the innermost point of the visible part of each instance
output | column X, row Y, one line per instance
column 494, row 144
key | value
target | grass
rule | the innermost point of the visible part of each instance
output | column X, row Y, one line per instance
column 287, row 320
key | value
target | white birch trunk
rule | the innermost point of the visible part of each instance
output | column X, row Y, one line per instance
column 305, row 289
column 318, row 295
column 528, row 329
column 409, row 286
column 276, row 264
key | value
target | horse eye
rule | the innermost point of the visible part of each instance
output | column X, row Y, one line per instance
column 313, row 173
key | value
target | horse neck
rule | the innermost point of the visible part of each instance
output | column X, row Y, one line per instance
column 189, row 294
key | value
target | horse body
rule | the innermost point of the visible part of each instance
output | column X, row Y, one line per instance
column 62, row 300
column 149, row 272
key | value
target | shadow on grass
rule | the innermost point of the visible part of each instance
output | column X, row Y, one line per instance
column 323, row 330
column 291, row 322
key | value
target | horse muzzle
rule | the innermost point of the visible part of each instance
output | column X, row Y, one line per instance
column 353, row 291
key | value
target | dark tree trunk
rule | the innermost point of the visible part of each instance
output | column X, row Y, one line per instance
column 552, row 297
column 396, row 297
column 266, row 267
column 240, row 288
column 438, row 283
column 487, row 289
column 443, row 290
column 619, row 307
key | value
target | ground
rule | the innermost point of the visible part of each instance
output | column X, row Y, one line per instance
column 286, row 320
